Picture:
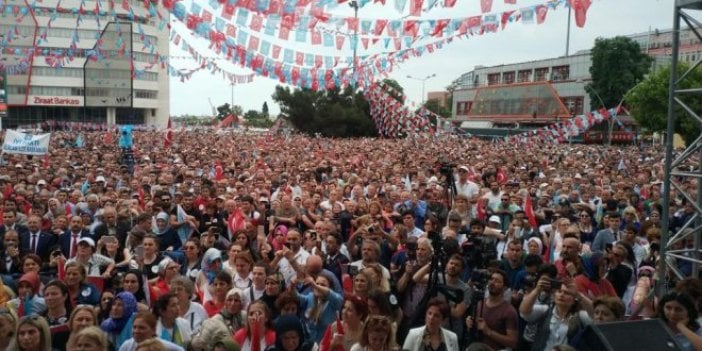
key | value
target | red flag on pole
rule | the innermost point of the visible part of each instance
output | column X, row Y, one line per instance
column 169, row 135
column 529, row 211
column 108, row 138
column 480, row 212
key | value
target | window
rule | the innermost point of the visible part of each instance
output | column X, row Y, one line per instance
column 493, row 79
column 561, row 73
column 146, row 94
column 541, row 74
column 524, row 76
column 574, row 104
column 16, row 89
column 508, row 77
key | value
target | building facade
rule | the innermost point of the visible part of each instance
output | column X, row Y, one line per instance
column 81, row 61
column 534, row 92
column 548, row 90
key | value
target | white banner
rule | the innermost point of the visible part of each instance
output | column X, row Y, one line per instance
column 23, row 143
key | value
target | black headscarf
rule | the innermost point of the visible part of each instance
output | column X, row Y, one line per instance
column 288, row 323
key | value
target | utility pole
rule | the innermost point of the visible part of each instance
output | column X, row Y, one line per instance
column 570, row 8
column 354, row 6
column 423, row 80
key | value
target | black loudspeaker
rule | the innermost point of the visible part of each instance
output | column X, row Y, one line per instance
column 643, row 335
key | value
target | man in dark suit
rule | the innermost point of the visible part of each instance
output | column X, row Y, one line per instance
column 37, row 241
column 9, row 257
column 9, row 222
column 68, row 240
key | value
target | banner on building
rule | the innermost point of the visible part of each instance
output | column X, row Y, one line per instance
column 24, row 143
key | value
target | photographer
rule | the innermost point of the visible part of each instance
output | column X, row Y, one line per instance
column 561, row 321
column 496, row 319
column 412, row 286
column 461, row 301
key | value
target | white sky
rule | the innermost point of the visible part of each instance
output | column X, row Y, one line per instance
column 517, row 43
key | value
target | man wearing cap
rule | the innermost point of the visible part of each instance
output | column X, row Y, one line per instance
column 93, row 262
column 464, row 186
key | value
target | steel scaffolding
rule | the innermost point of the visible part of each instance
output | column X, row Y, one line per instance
column 681, row 166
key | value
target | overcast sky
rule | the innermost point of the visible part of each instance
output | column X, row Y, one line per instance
column 517, row 43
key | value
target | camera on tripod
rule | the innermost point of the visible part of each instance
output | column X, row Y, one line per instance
column 447, row 168
column 478, row 252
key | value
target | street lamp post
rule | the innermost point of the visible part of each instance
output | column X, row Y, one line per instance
column 423, row 80
column 354, row 6
column 610, row 124
column 231, row 109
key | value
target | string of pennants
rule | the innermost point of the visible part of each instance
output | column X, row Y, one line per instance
column 562, row 131
column 391, row 117
column 380, row 64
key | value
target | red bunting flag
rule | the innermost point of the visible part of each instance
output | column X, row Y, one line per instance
column 580, row 7
column 449, row 3
column 256, row 23
column 510, row 2
column 316, row 38
column 340, row 41
column 380, row 26
column 416, row 7
column 485, row 5
column 529, row 211
column 541, row 12
column 505, row 18
column 439, row 27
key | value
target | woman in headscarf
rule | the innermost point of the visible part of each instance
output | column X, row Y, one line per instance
column 119, row 326
column 277, row 237
column 592, row 282
column 290, row 336
column 28, row 300
column 211, row 265
column 168, row 237
column 223, row 325
column 167, row 270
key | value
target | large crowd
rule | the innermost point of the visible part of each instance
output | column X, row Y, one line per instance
column 236, row 241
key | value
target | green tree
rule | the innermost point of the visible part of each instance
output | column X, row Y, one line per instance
column 617, row 65
column 225, row 110
column 647, row 102
column 252, row 115
column 264, row 109
column 331, row 113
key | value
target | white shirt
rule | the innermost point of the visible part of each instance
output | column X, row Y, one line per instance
column 469, row 189
column 286, row 269
column 246, row 301
column 131, row 345
column 195, row 316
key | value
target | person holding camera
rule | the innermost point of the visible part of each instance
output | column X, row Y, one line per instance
column 563, row 320
column 495, row 318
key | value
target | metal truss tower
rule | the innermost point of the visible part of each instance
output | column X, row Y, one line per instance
column 684, row 166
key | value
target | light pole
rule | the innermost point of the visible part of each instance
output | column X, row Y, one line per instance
column 610, row 125
column 354, row 6
column 231, row 108
column 423, row 80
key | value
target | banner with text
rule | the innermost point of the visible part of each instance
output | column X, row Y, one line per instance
column 24, row 143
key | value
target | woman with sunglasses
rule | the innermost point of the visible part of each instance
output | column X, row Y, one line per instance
column 432, row 336
column 376, row 336
column 33, row 334
column 587, row 227
column 680, row 315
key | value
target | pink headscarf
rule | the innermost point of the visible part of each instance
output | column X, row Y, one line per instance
column 278, row 245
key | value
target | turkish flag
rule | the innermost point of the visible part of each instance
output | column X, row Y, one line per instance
column 580, row 7
column 541, row 12
column 169, row 135
column 486, row 5
column 416, row 7
column 529, row 211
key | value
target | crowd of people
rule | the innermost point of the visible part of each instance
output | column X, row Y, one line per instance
column 258, row 242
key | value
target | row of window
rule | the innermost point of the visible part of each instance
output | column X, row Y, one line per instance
column 90, row 16
column 68, row 33
column 44, row 51
column 92, row 73
column 574, row 104
column 542, row 74
column 91, row 91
